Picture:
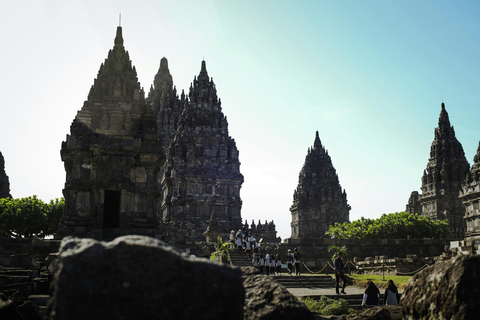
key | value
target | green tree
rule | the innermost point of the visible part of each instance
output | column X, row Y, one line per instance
column 399, row 225
column 222, row 249
column 29, row 216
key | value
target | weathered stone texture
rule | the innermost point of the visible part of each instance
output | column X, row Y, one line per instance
column 112, row 156
column 4, row 182
column 446, row 290
column 265, row 299
column 202, row 171
column 136, row 277
column 442, row 179
column 318, row 201
column 376, row 313
column 118, row 181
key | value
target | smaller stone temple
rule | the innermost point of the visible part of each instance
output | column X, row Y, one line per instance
column 442, row 179
column 318, row 201
column 112, row 156
column 4, row 182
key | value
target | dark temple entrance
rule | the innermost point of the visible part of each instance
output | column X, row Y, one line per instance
column 111, row 209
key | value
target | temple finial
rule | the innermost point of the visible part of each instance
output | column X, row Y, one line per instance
column 120, row 19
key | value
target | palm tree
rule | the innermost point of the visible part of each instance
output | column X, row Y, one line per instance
column 342, row 250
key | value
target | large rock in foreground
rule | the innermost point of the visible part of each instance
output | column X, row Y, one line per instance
column 267, row 299
column 136, row 277
column 446, row 290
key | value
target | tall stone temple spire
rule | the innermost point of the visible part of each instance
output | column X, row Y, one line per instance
column 202, row 172
column 443, row 177
column 470, row 196
column 166, row 104
column 4, row 182
column 319, row 200
column 112, row 156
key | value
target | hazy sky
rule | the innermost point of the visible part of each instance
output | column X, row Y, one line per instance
column 370, row 76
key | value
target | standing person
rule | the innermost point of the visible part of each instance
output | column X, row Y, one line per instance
column 238, row 236
column 296, row 258
column 391, row 297
column 267, row 264
column 255, row 261
column 278, row 264
column 371, row 295
column 338, row 263
column 289, row 262
column 261, row 263
column 232, row 239
column 272, row 265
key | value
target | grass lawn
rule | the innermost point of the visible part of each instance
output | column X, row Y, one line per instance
column 360, row 280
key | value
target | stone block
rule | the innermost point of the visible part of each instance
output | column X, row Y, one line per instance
column 136, row 277
column 445, row 290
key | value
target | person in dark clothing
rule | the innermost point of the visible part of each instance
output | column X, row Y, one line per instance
column 289, row 262
column 296, row 258
column 391, row 297
column 371, row 295
column 338, row 264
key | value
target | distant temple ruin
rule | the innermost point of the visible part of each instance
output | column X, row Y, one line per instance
column 442, row 180
column 318, row 201
column 163, row 166
column 470, row 196
column 4, row 182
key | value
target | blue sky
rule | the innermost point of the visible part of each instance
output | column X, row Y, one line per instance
column 370, row 76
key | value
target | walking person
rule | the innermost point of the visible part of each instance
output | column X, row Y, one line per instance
column 296, row 260
column 338, row 263
column 391, row 297
column 290, row 262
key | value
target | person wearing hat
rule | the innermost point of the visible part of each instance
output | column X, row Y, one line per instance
column 289, row 261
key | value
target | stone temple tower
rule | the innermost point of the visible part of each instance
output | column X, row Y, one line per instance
column 202, row 176
column 318, row 201
column 443, row 177
column 4, row 182
column 112, row 156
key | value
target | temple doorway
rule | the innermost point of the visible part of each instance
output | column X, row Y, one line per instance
column 111, row 209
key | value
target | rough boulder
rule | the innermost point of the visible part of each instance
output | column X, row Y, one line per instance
column 446, row 290
column 137, row 277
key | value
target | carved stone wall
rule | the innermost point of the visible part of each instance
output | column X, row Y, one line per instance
column 319, row 200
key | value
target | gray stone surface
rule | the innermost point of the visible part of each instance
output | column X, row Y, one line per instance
column 265, row 298
column 377, row 313
column 446, row 290
column 136, row 277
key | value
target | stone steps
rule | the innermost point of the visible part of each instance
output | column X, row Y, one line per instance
column 314, row 281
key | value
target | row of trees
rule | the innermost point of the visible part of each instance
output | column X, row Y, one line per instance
column 399, row 225
column 30, row 216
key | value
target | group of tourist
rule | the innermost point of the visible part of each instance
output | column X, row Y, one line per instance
column 272, row 265
column 244, row 241
column 372, row 295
